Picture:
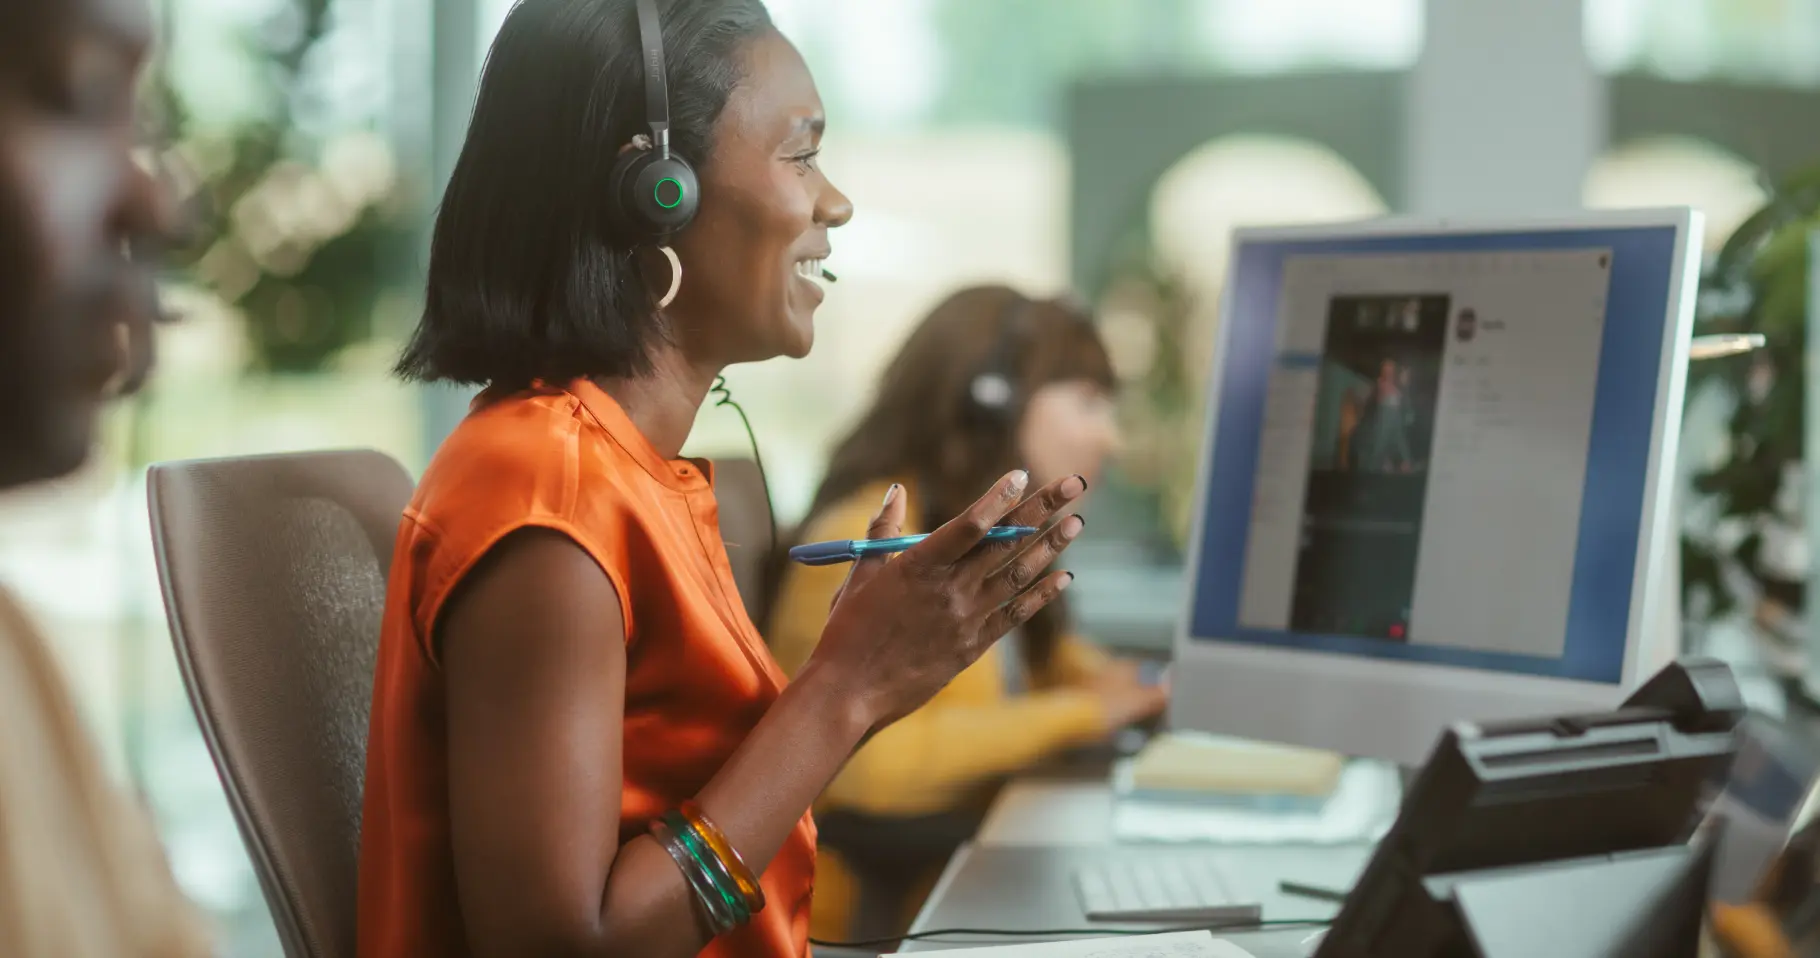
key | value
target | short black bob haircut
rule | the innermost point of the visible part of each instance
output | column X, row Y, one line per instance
column 527, row 281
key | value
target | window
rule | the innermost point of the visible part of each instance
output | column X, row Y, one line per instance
column 1766, row 40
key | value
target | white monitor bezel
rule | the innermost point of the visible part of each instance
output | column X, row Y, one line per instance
column 1393, row 709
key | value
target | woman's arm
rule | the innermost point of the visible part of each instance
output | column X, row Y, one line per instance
column 936, row 757
column 932, row 759
column 533, row 648
column 1079, row 663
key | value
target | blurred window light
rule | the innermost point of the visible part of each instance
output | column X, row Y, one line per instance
column 217, row 69
column 1676, row 171
column 1244, row 180
column 899, row 63
column 1250, row 180
column 492, row 16
column 209, row 65
column 1279, row 35
column 1764, row 40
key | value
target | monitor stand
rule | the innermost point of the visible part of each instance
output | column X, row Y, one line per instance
column 1642, row 904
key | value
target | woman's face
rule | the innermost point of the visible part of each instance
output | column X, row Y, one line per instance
column 1069, row 427
column 751, row 260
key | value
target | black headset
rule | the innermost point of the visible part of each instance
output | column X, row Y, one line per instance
column 654, row 192
column 993, row 389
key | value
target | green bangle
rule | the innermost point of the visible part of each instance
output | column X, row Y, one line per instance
column 716, row 870
column 720, row 919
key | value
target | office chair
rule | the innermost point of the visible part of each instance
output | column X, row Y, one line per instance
column 273, row 570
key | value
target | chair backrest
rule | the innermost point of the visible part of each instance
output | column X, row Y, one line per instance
column 273, row 570
column 745, row 525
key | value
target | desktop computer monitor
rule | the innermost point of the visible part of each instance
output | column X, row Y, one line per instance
column 1434, row 480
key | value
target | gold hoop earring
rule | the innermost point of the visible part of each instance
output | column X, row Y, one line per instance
column 675, row 277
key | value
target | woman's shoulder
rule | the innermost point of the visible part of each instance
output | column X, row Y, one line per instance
column 530, row 458
column 98, row 848
column 505, row 450
column 534, row 460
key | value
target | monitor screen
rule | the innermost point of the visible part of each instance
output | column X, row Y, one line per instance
column 1436, row 448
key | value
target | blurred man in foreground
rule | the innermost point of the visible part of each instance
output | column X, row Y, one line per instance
column 81, row 871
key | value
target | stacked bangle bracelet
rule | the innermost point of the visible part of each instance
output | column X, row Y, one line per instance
column 726, row 889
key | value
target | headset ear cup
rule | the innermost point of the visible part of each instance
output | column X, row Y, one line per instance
column 653, row 198
column 992, row 395
column 667, row 194
column 622, row 213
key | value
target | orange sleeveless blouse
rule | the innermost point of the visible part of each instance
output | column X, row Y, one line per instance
column 698, row 676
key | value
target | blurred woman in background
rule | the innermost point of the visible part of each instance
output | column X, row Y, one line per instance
column 82, row 873
column 990, row 381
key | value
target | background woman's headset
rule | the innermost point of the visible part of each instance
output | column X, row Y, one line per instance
column 993, row 391
column 654, row 192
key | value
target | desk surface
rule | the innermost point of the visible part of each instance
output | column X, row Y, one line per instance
column 1017, row 872
column 1029, row 887
column 1050, row 813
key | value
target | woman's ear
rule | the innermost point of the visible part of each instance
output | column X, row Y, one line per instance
column 641, row 141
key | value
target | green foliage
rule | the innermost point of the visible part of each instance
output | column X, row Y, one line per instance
column 1765, row 267
column 302, row 237
column 1161, row 400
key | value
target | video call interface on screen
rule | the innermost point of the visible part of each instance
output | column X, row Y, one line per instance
column 1434, row 451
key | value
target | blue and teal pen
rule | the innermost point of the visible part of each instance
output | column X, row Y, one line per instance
column 852, row 550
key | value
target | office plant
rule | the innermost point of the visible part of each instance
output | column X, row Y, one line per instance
column 1148, row 315
column 301, row 233
column 1759, row 282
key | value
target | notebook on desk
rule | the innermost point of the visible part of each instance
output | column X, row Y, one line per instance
column 1202, row 769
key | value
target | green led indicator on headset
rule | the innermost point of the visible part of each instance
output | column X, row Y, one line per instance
column 657, row 193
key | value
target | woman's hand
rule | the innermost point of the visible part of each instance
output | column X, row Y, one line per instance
column 1125, row 698
column 902, row 628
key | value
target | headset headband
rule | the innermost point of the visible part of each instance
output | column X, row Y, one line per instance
column 657, row 90
column 1002, row 360
column 993, row 387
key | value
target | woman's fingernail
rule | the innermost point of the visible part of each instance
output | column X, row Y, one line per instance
column 891, row 493
column 1019, row 480
column 1065, row 583
column 1072, row 526
column 1075, row 486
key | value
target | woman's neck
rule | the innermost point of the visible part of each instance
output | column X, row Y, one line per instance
column 663, row 404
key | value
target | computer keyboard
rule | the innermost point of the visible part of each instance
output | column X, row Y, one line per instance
column 1186, row 889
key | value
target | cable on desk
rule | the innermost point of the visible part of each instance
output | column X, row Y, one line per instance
column 1066, row 932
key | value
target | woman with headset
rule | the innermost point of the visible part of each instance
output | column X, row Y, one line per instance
column 579, row 743
column 989, row 381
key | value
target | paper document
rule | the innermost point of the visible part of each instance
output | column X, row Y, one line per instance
column 1191, row 944
column 1362, row 808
